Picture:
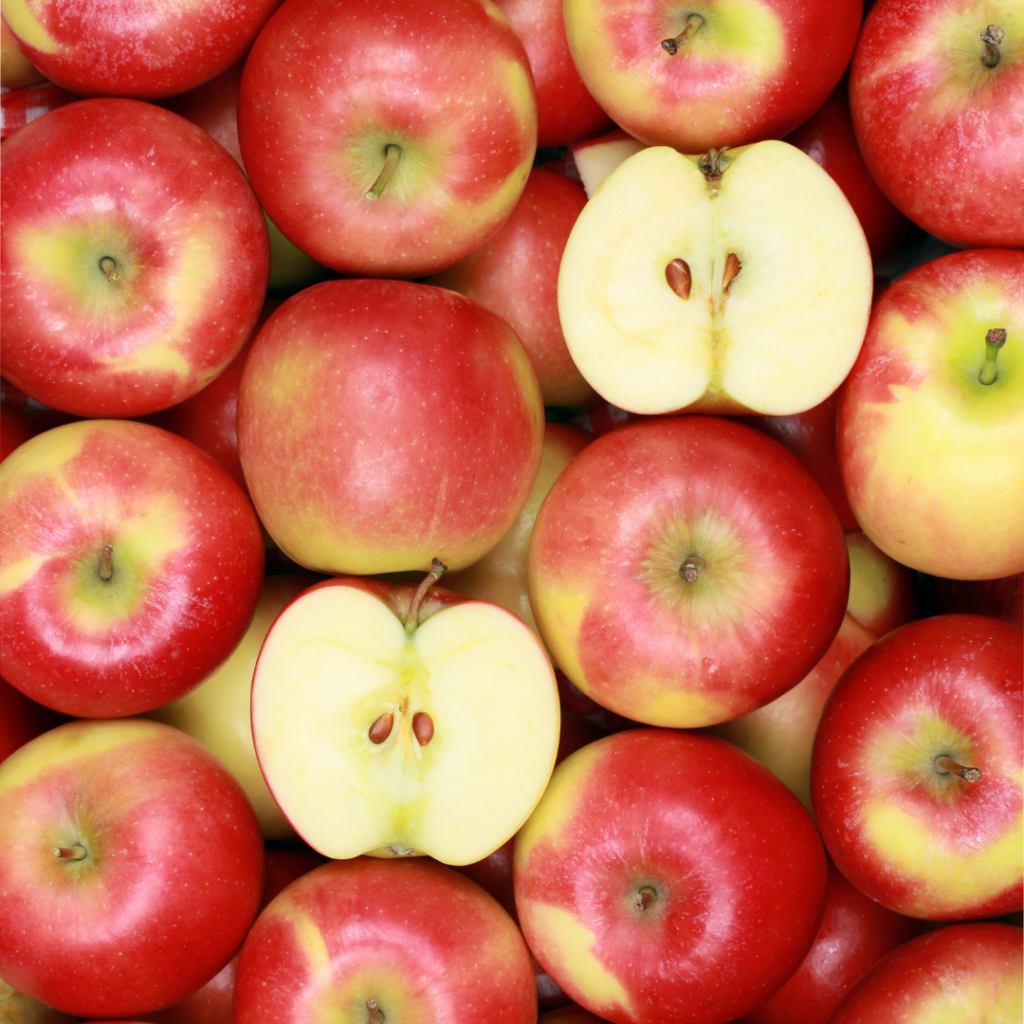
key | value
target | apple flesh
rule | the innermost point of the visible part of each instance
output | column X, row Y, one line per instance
column 427, row 728
column 729, row 282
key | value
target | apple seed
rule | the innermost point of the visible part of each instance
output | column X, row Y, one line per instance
column 677, row 273
column 381, row 728
column 732, row 268
column 423, row 727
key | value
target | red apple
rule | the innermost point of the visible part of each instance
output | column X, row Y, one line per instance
column 388, row 138
column 929, row 425
column 145, row 49
column 132, row 869
column 667, row 876
column 916, row 774
column 22, row 719
column 515, row 275
column 964, row 972
column 935, row 94
column 711, row 74
column 18, row 1008
column 130, row 566
column 855, row 934
column 134, row 258
column 385, row 423
column 827, row 137
column 383, row 941
column 565, row 110
column 686, row 570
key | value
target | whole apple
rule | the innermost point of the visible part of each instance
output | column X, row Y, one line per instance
column 382, row 424
column 134, row 258
column 132, row 867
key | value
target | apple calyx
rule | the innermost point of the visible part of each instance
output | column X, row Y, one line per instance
column 945, row 765
column 693, row 24
column 691, row 568
column 76, row 852
column 677, row 273
column 995, row 339
column 437, row 570
column 374, row 1015
column 106, row 569
column 645, row 896
column 713, row 164
column 991, row 37
column 109, row 267
column 392, row 154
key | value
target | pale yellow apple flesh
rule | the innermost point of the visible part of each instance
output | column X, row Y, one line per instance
column 351, row 780
column 596, row 159
column 768, row 306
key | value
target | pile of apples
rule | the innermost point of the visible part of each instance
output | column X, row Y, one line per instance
column 513, row 508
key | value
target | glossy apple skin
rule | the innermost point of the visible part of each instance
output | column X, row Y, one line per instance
column 781, row 734
column 315, row 117
column 385, row 423
column 855, row 934
column 942, row 134
column 752, row 71
column 929, row 454
column 719, row 840
column 566, row 111
column 126, row 180
column 174, row 849
column 425, row 942
column 613, row 534
column 18, row 1008
column 187, row 566
column 515, row 275
column 969, row 970
column 16, row 71
column 145, row 50
column 927, row 845
column 827, row 137
column 881, row 590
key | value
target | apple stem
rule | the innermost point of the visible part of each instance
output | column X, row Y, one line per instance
column 392, row 153
column 109, row 267
column 947, row 766
column 373, row 1014
column 693, row 24
column 76, row 852
column 677, row 273
column 644, row 898
column 732, row 268
column 994, row 341
column 991, row 37
column 713, row 164
column 691, row 568
column 107, row 562
column 437, row 570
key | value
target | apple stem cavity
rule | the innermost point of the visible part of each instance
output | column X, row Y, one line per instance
column 109, row 267
column 947, row 766
column 713, row 164
column 991, row 37
column 677, row 273
column 691, row 569
column 76, row 852
column 645, row 897
column 437, row 570
column 106, row 569
column 693, row 24
column 422, row 728
column 373, row 1013
column 392, row 154
column 732, row 268
column 381, row 728
column 994, row 341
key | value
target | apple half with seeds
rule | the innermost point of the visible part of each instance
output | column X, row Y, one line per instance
column 397, row 720
column 734, row 281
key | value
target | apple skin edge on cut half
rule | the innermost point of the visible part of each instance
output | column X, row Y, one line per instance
column 730, row 282
column 392, row 721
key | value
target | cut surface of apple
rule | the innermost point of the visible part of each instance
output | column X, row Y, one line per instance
column 373, row 738
column 728, row 282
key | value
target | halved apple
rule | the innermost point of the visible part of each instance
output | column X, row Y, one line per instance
column 385, row 725
column 729, row 282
